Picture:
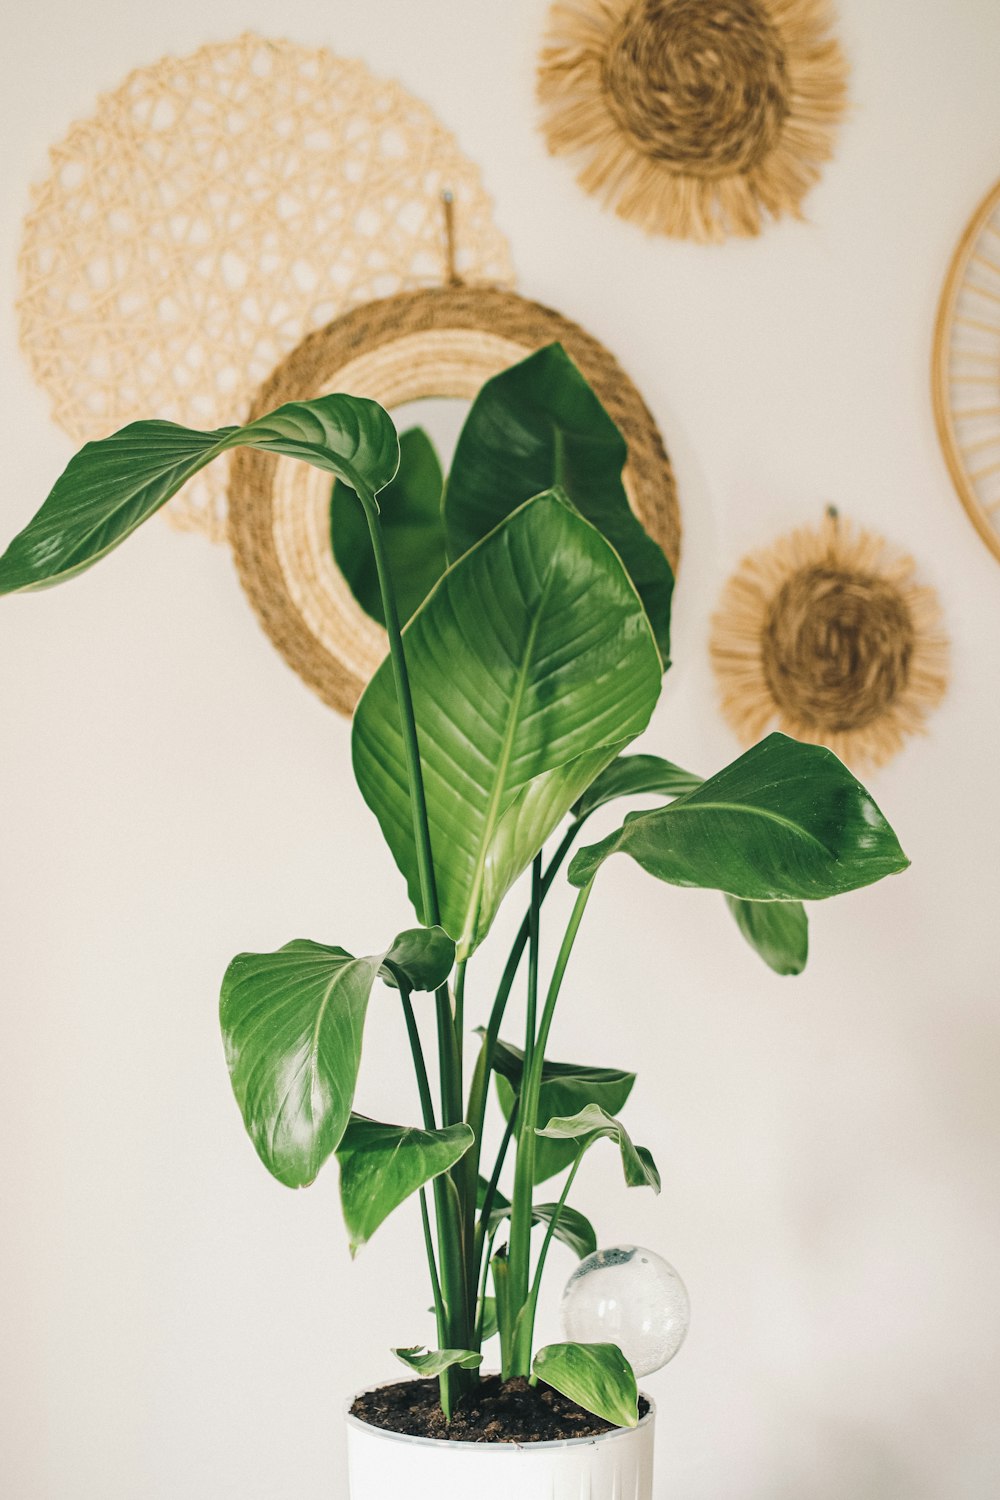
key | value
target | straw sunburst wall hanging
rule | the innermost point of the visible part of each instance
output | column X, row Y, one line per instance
column 828, row 636
column 694, row 118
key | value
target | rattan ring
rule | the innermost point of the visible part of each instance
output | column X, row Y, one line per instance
column 444, row 342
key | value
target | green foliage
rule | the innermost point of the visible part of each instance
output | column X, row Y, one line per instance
column 381, row 1165
column 412, row 526
column 778, row 930
column 530, row 664
column 536, row 426
column 785, row 822
column 595, row 1124
column 292, row 1025
column 597, row 1377
column 112, row 486
column 566, row 1088
column 430, row 1363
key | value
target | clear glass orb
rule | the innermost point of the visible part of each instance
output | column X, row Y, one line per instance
column 630, row 1297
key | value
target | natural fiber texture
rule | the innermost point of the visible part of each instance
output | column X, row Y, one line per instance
column 828, row 636
column 695, row 118
column 212, row 211
column 442, row 343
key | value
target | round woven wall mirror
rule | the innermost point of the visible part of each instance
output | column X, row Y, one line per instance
column 442, row 343
column 966, row 369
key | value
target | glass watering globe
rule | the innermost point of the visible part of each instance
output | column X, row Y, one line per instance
column 630, row 1297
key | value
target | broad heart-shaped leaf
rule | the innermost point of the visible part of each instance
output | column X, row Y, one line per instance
column 566, row 1088
column 572, row 1227
column 292, row 1025
column 636, row 776
column 412, row 529
column 778, row 930
column 381, row 1165
column 597, row 1377
column 785, row 822
column 433, row 1362
column 537, row 425
column 113, row 485
column 532, row 652
column 594, row 1124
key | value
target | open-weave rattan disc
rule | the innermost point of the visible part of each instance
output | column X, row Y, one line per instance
column 446, row 342
column 828, row 636
column 696, row 118
column 212, row 211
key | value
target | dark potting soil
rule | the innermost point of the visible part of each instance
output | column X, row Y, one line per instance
column 498, row 1412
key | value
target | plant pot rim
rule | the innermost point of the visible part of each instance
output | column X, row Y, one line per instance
column 464, row 1444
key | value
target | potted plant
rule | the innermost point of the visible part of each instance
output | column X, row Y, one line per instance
column 533, row 654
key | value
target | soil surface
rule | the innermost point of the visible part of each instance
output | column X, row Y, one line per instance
column 498, row 1412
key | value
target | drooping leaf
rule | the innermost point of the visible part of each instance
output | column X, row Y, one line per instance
column 778, row 930
column 785, row 822
column 412, row 529
column 491, row 1324
column 572, row 1227
column 536, row 425
column 566, row 1089
column 113, row 485
column 597, row 1377
column 636, row 776
column 292, row 1025
column 381, row 1165
column 433, row 1362
column 531, row 652
column 593, row 1124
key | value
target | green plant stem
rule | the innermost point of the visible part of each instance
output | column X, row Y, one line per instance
column 528, row 1313
column 427, row 1111
column 524, row 1172
column 534, row 926
column 479, row 1089
column 491, row 1187
column 450, row 1240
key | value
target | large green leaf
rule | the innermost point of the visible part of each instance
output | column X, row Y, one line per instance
column 636, row 776
column 381, row 1165
column 594, row 1124
column 531, row 653
column 536, row 425
column 566, row 1089
column 292, row 1024
column 112, row 486
column 778, row 930
column 597, row 1377
column 412, row 530
column 434, row 1362
column 785, row 822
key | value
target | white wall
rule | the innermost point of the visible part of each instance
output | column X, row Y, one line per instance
column 176, row 1324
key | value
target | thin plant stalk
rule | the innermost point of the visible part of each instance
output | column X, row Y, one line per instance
column 524, row 1173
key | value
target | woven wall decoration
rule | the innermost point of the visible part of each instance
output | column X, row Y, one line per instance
column 966, row 369
column 446, row 342
column 212, row 211
column 828, row 636
column 695, row 118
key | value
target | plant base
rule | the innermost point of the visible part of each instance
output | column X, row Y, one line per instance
column 615, row 1463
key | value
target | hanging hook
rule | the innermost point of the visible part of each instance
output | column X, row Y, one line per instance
column 452, row 277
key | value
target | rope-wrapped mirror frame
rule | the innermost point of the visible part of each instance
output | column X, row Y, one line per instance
column 444, row 342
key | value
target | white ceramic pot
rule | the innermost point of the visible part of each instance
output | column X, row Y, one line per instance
column 390, row 1466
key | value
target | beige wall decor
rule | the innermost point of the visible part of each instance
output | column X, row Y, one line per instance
column 446, row 342
column 213, row 210
column 966, row 369
column 828, row 636
column 694, row 118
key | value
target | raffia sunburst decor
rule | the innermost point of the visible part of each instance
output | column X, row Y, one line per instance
column 694, row 118
column 828, row 636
